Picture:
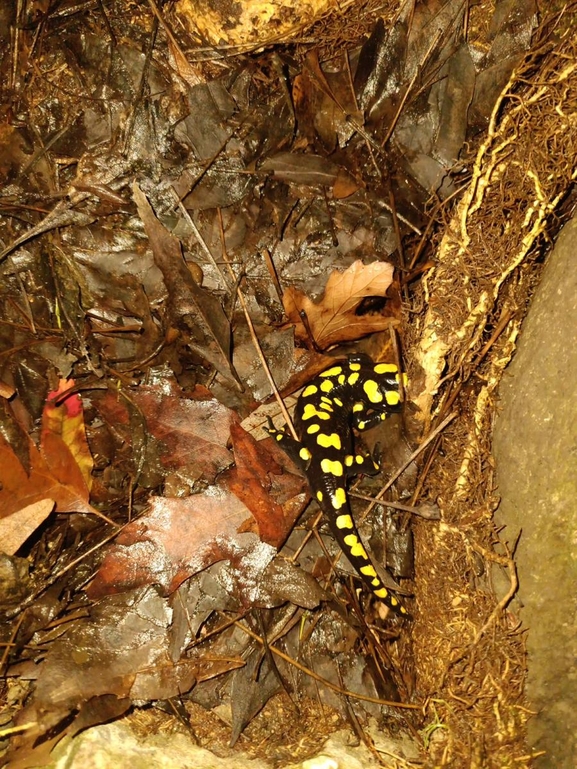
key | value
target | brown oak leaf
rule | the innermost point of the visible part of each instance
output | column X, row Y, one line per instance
column 333, row 319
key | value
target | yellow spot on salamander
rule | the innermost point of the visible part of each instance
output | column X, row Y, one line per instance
column 372, row 390
column 339, row 498
column 310, row 390
column 310, row 411
column 358, row 407
column 334, row 371
column 326, row 406
column 382, row 593
column 341, row 379
column 344, row 522
column 355, row 366
column 337, row 401
column 375, row 582
column 359, row 459
column 358, row 551
column 333, row 467
column 394, row 601
column 353, row 378
column 327, row 386
column 312, row 429
column 326, row 441
column 368, row 571
column 385, row 368
column 349, row 459
column 392, row 397
column 320, row 496
column 361, row 425
column 305, row 454
column 351, row 540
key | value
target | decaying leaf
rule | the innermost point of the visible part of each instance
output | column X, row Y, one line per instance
column 208, row 326
column 333, row 319
column 121, row 650
column 276, row 500
column 16, row 528
column 310, row 170
column 175, row 539
column 54, row 474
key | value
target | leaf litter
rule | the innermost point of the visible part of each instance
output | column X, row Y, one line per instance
column 155, row 550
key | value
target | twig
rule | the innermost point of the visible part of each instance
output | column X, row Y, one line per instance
column 254, row 337
column 317, row 677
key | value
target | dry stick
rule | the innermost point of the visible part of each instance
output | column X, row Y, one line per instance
column 410, row 88
column 430, row 514
column 272, row 272
column 317, row 677
column 10, row 643
column 201, row 241
column 253, row 335
column 431, row 437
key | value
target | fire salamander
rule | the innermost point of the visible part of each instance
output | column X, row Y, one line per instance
column 357, row 393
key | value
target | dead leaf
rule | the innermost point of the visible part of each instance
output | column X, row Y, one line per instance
column 121, row 650
column 16, row 528
column 275, row 499
column 208, row 325
column 53, row 475
column 310, row 170
column 65, row 421
column 175, row 539
column 6, row 391
column 194, row 428
column 333, row 319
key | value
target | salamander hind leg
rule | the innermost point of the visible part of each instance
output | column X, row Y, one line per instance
column 361, row 462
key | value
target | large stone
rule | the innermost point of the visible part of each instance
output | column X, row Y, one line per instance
column 535, row 447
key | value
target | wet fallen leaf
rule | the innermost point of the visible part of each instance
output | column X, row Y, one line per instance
column 310, row 170
column 16, row 528
column 333, row 319
column 275, row 499
column 192, row 428
column 53, row 474
column 252, row 687
column 121, row 650
column 175, row 539
column 208, row 326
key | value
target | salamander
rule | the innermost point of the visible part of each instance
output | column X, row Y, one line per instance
column 356, row 393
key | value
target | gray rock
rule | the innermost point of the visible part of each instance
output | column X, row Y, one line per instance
column 535, row 447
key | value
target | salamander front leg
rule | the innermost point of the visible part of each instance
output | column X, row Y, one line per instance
column 295, row 450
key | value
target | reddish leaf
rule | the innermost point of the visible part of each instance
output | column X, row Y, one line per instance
column 53, row 475
column 276, row 500
column 174, row 540
column 194, row 429
column 333, row 319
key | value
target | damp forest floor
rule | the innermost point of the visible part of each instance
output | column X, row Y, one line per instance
column 190, row 232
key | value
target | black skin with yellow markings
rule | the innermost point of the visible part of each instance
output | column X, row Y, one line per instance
column 356, row 393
